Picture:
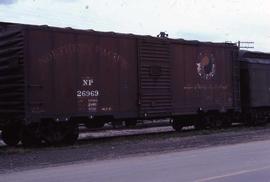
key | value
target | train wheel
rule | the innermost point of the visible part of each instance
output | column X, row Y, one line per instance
column 94, row 124
column 217, row 122
column 131, row 123
column 60, row 133
column 201, row 123
column 72, row 134
column 177, row 125
column 53, row 133
column 31, row 135
column 227, row 121
column 117, row 124
column 11, row 135
column 227, row 124
column 262, row 119
column 251, row 119
column 214, row 121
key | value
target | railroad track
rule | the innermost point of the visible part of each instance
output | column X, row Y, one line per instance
column 108, row 131
column 109, row 144
column 150, row 130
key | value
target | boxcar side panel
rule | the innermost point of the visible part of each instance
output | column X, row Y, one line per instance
column 184, row 94
column 39, row 72
column 128, row 77
column 202, row 77
column 63, row 71
column 73, row 73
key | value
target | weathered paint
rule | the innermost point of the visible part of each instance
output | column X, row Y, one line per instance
column 203, row 77
column 73, row 73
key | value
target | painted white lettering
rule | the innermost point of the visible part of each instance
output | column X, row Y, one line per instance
column 87, row 93
column 88, row 82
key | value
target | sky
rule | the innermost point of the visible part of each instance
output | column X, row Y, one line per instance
column 204, row 20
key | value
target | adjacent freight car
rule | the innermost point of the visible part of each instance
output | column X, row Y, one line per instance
column 51, row 79
column 255, row 86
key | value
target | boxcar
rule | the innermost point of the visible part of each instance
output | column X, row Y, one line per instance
column 255, row 85
column 53, row 78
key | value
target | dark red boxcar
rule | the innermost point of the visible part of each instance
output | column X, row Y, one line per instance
column 62, row 74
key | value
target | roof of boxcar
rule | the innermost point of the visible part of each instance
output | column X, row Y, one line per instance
column 69, row 29
column 254, row 54
column 254, row 57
